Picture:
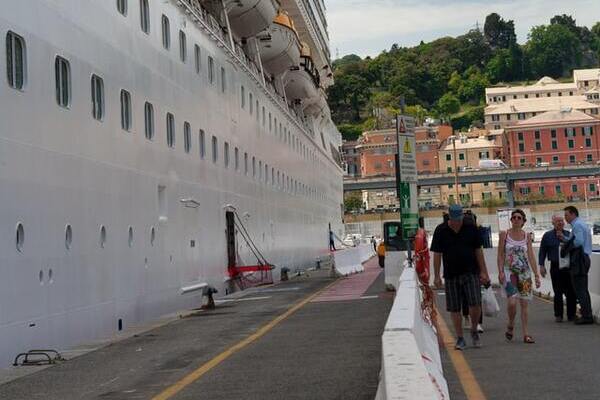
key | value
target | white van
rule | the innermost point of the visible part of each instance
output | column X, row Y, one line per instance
column 492, row 164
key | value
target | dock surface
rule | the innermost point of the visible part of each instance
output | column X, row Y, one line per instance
column 313, row 337
column 562, row 364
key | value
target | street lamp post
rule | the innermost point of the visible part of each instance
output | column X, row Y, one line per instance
column 453, row 138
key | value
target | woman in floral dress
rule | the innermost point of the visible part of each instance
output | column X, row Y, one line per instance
column 516, row 261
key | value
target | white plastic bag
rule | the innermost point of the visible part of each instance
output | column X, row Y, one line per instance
column 564, row 262
column 490, row 305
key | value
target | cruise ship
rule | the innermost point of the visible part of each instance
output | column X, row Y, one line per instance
column 148, row 148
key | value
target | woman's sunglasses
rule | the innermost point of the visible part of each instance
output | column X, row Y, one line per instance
column 516, row 217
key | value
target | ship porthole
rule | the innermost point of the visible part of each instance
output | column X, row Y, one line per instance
column 102, row 236
column 20, row 237
column 130, row 239
column 68, row 237
column 152, row 236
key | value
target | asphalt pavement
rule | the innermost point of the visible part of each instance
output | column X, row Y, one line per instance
column 323, row 350
column 562, row 364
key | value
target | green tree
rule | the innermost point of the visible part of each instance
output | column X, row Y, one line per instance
column 348, row 96
column 352, row 202
column 418, row 112
column 553, row 50
column 473, row 86
column 448, row 105
column 498, row 33
column 349, row 131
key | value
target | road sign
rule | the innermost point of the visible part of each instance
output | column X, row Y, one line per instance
column 407, row 182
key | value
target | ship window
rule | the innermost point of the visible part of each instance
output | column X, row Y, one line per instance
column 257, row 111
column 243, row 96
column 68, row 237
column 125, row 110
column 63, row 81
column 97, row 97
column 20, row 237
column 250, row 102
column 197, row 58
column 266, row 173
column 170, row 130
column 226, row 154
column 253, row 167
column 149, row 121
column 152, row 236
column 270, row 123
column 15, row 60
column 223, row 80
column 130, row 236
column 201, row 143
column 236, row 156
column 122, row 6
column 182, row 46
column 246, row 163
column 211, row 70
column 272, row 176
column 215, row 149
column 264, row 116
column 166, row 32
column 260, row 174
column 187, row 137
column 145, row 16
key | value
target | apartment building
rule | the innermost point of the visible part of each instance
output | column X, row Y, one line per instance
column 350, row 158
column 503, row 115
column 555, row 138
column 468, row 151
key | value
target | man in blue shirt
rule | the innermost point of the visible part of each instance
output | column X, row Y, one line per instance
column 582, row 241
column 561, row 278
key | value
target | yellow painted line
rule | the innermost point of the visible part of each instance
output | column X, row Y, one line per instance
column 461, row 366
column 203, row 369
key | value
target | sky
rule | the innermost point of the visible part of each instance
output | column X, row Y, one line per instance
column 366, row 27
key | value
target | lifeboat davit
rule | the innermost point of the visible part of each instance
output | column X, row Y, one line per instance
column 279, row 45
column 249, row 17
column 302, row 80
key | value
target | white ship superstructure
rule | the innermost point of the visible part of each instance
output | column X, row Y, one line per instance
column 129, row 129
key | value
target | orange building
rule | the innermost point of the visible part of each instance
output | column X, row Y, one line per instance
column 377, row 150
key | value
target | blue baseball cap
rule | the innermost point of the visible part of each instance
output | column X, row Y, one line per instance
column 455, row 212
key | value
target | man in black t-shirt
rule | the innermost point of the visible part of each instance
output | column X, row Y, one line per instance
column 459, row 245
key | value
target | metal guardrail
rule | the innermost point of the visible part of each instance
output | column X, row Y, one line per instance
column 481, row 176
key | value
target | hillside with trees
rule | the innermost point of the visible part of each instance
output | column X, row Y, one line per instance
column 446, row 78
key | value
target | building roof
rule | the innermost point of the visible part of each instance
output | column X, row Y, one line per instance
column 586, row 74
column 470, row 143
column 540, row 104
column 556, row 117
column 543, row 85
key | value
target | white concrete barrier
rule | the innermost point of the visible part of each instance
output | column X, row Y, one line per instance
column 411, row 361
column 394, row 263
column 349, row 261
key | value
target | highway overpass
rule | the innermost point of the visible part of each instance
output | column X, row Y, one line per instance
column 508, row 176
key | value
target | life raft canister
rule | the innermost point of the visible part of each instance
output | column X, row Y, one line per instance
column 422, row 256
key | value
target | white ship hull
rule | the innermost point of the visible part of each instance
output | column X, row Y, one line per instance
column 61, row 167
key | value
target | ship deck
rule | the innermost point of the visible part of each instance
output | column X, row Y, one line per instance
column 313, row 337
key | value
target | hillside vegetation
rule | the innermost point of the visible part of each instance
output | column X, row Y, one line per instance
column 446, row 78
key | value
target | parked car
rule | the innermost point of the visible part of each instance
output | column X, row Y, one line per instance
column 596, row 228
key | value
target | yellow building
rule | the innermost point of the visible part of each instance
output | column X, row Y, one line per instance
column 468, row 151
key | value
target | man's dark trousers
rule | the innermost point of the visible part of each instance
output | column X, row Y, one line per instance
column 580, row 284
column 562, row 285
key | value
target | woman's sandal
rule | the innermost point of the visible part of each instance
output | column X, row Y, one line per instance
column 509, row 332
column 528, row 339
